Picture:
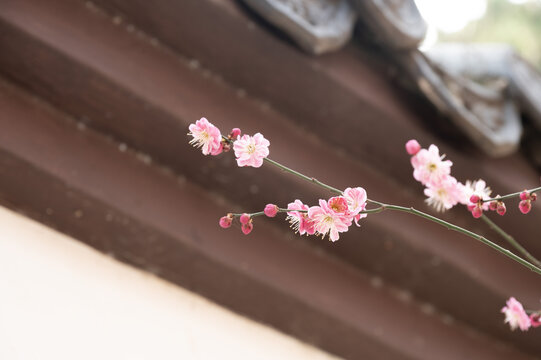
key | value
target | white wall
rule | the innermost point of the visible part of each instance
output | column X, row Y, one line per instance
column 60, row 299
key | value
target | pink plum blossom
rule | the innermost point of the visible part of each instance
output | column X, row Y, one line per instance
column 299, row 220
column 515, row 315
column 356, row 199
column 429, row 167
column 251, row 150
column 476, row 189
column 206, row 136
column 444, row 194
column 330, row 217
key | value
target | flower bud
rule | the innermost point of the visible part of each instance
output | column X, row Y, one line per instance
column 244, row 219
column 413, row 147
column 493, row 205
column 535, row 320
column 247, row 228
column 533, row 196
column 271, row 210
column 525, row 206
column 477, row 212
column 525, row 195
column 225, row 221
column 501, row 209
column 474, row 199
column 235, row 133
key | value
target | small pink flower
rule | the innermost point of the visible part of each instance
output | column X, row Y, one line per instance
column 225, row 221
column 476, row 190
column 413, row 147
column 356, row 199
column 300, row 221
column 271, row 210
column 251, row 150
column 338, row 204
column 429, row 167
column 525, row 195
column 206, row 136
column 327, row 220
column 445, row 194
column 525, row 206
column 515, row 315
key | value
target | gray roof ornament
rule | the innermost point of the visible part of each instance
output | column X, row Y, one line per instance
column 318, row 26
column 486, row 114
column 397, row 23
column 493, row 63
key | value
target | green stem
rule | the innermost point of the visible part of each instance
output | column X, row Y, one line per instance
column 304, row 177
column 471, row 234
column 411, row 210
column 511, row 241
column 508, row 196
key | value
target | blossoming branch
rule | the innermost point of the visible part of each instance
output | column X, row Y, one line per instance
column 335, row 215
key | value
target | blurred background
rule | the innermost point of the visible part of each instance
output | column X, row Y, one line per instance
column 109, row 238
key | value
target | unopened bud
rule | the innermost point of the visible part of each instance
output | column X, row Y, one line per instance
column 413, row 147
column 235, row 133
column 271, row 210
column 247, row 228
column 225, row 221
column 477, row 212
column 501, row 209
column 525, row 206
column 244, row 219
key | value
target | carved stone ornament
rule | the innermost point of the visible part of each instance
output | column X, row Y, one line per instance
column 487, row 115
column 395, row 23
column 318, row 26
column 493, row 64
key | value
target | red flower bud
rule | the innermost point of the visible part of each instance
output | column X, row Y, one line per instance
column 501, row 208
column 525, row 206
column 477, row 212
column 247, row 228
column 271, row 210
column 244, row 219
column 225, row 221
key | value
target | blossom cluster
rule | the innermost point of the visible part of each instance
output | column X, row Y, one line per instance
column 249, row 150
column 516, row 316
column 444, row 191
column 331, row 217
